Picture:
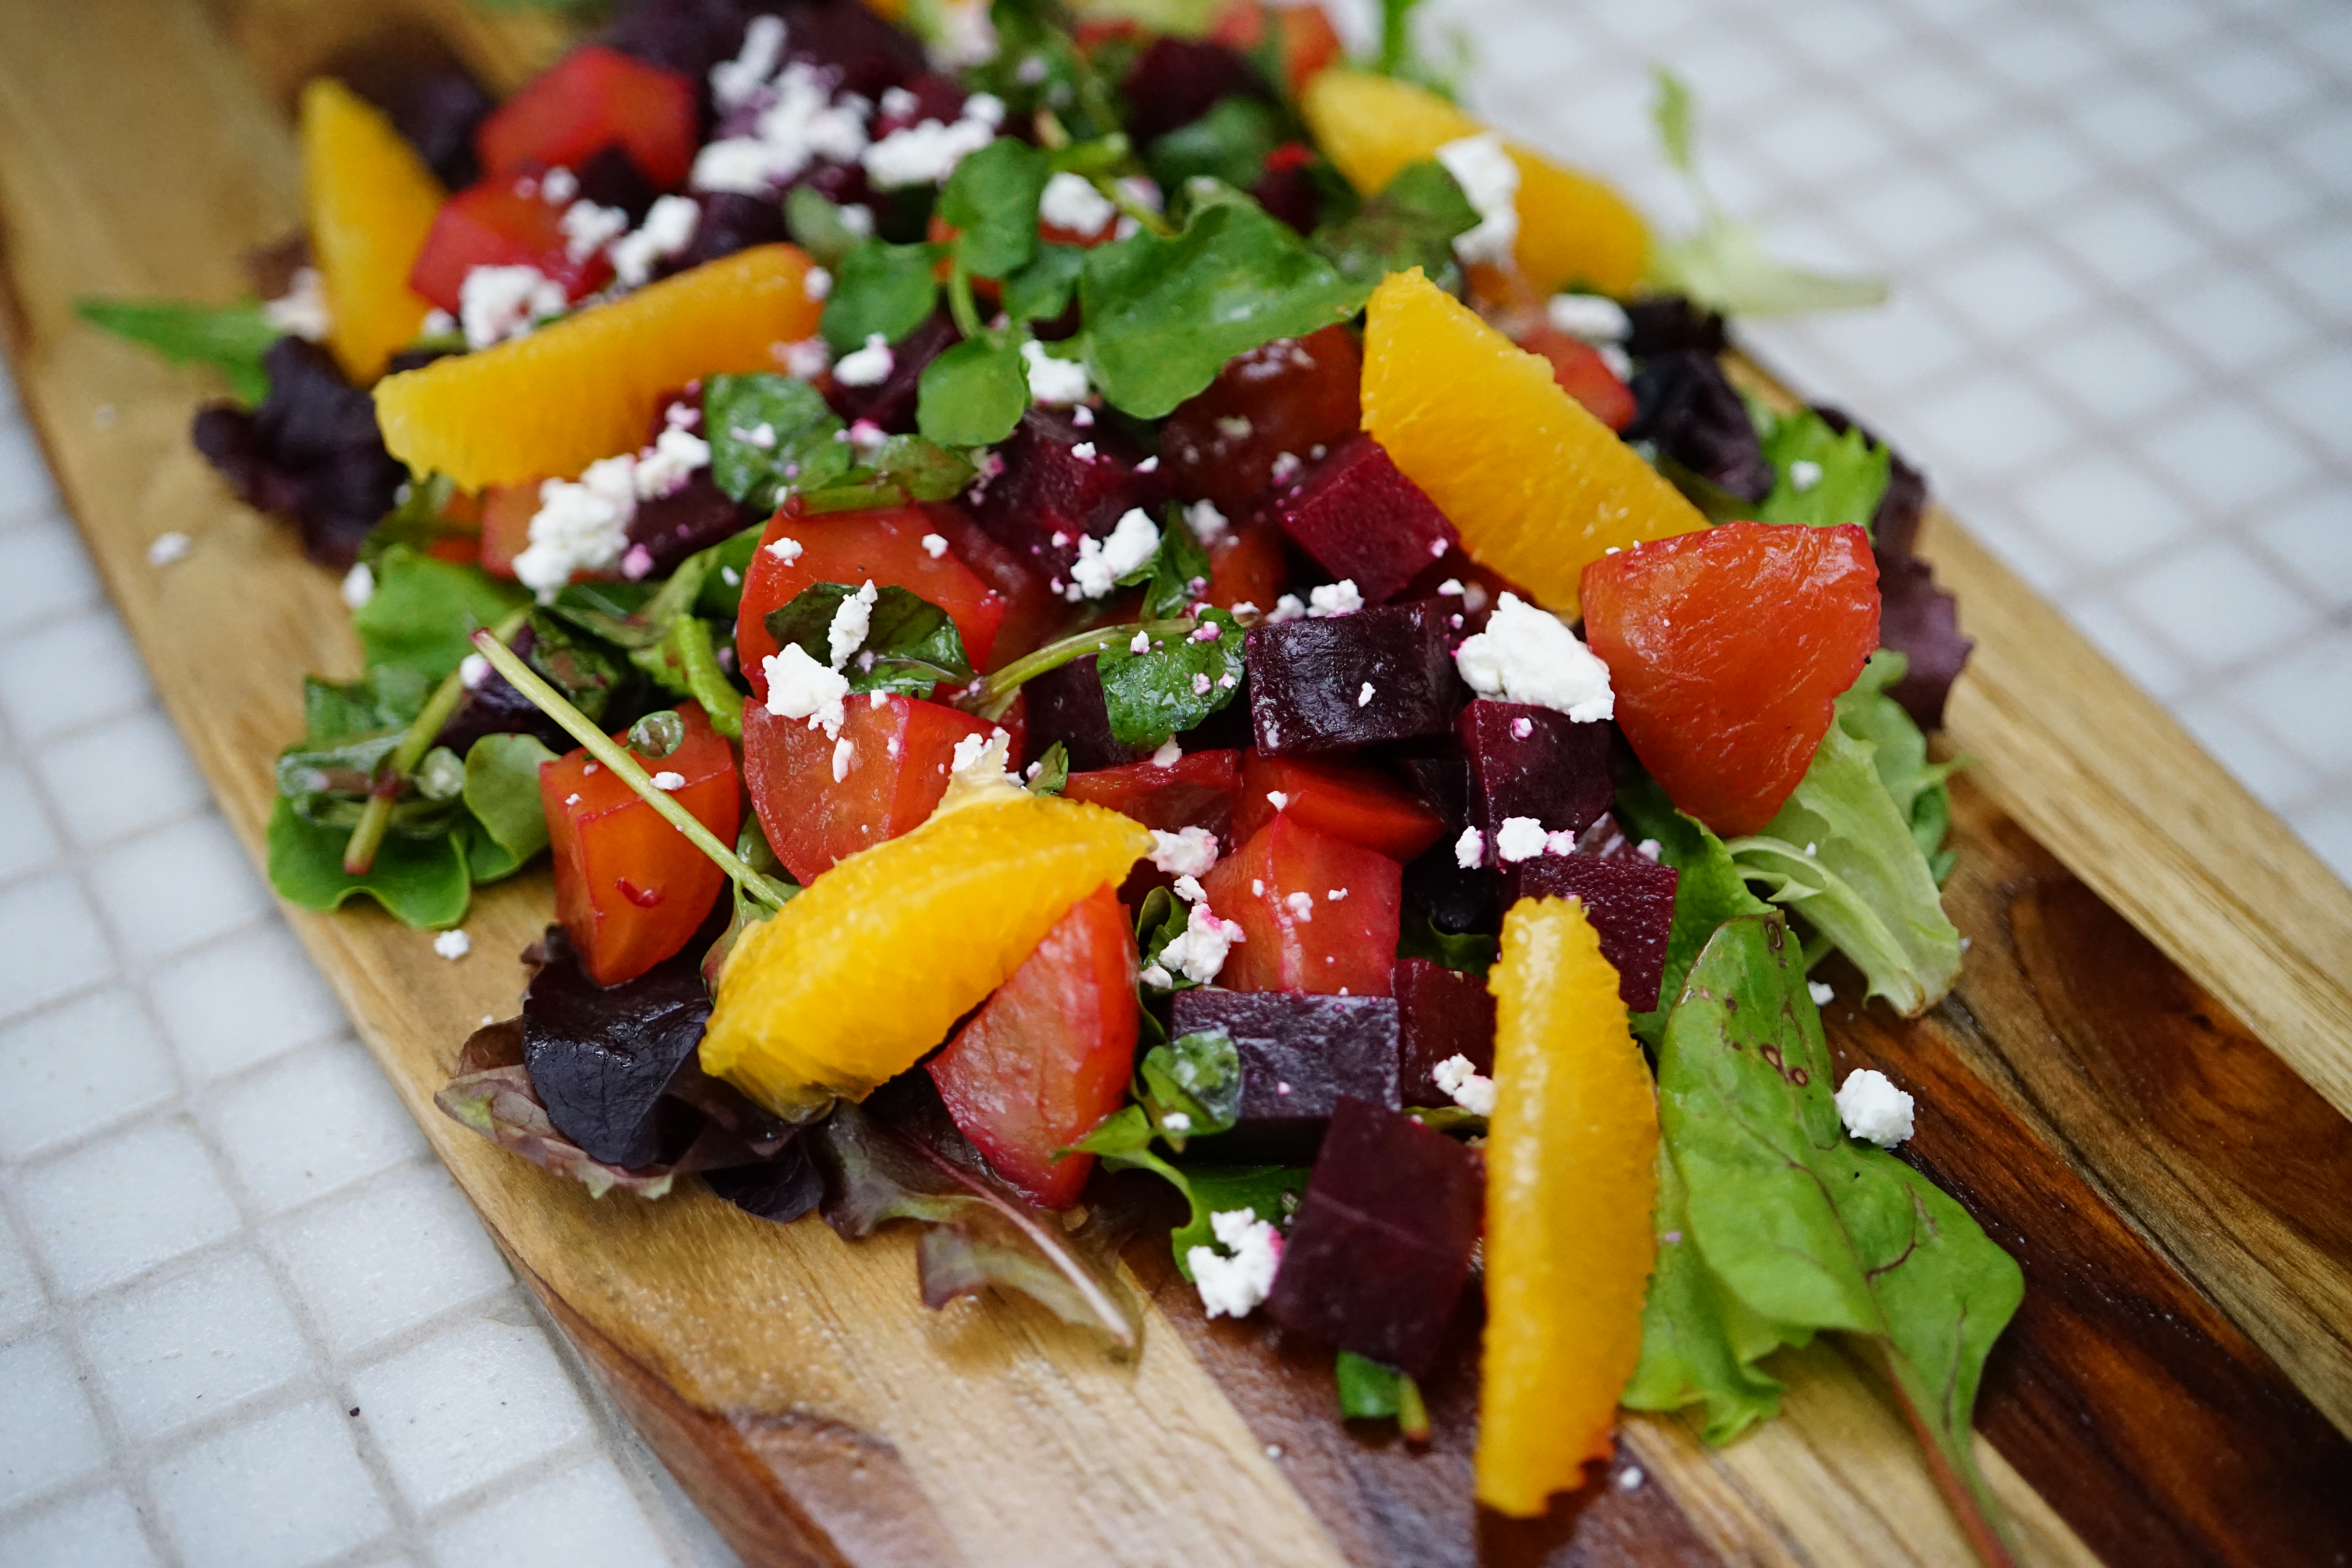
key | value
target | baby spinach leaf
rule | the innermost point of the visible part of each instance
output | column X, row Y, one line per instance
column 424, row 609
column 881, row 287
column 422, row 882
column 1229, row 144
column 1807, row 1228
column 1844, row 474
column 991, row 201
column 1164, row 315
column 902, row 469
column 1174, row 685
column 910, row 644
column 1412, row 223
column 1041, row 290
column 229, row 338
column 1197, row 1077
column 1369, row 1391
column 770, row 435
column 502, row 794
column 975, row 392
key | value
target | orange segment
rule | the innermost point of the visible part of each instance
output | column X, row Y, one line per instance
column 1571, row 1181
column 1572, row 227
column 370, row 201
column 584, row 387
column 869, row 967
column 1536, row 485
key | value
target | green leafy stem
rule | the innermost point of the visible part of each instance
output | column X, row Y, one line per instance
column 383, row 792
column 990, row 697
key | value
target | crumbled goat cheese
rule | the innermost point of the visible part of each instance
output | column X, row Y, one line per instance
column 1335, row 895
column 1199, row 950
column 1276, row 799
column 869, row 366
column 453, row 945
column 1470, row 849
column 1207, row 523
column 1620, row 362
column 1520, row 838
column 1189, row 889
column 1595, row 318
column 785, row 550
column 589, row 229
column 1200, row 685
column 801, row 126
column 1340, row 598
column 359, row 586
column 1054, row 382
column 1522, row 727
column 1207, row 631
column 807, row 358
column 1072, row 204
column 800, row 688
column 851, row 621
column 1464, row 1085
column 1650, row 849
column 472, row 670
column 1084, row 419
column 667, row 230
column 1301, row 906
column 761, row 436
column 1820, row 992
column 1629, row 1478
column 1140, row 643
column 1451, row 585
column 664, row 468
column 558, row 186
column 1803, row 475
column 1169, row 755
column 1234, row 427
column 1101, row 562
column 1364, row 695
column 843, row 752
column 668, row 782
column 1286, row 608
column 495, row 303
column 1233, row 1287
column 1285, row 467
column 1560, row 843
column 579, row 526
column 935, row 545
column 816, row 284
column 1084, row 451
column 1483, row 168
column 980, row 760
column 301, row 311
column 927, row 153
column 1188, row 852
column 1527, row 655
column 1176, row 1121
column 965, row 33
column 733, row 82
column 1873, row 1109
column 167, row 548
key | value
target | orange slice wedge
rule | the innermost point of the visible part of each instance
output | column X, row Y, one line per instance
column 370, row 201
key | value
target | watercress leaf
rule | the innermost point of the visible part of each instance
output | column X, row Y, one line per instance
column 910, row 644
column 1164, row 315
column 991, row 201
column 425, row 610
column 1473, row 952
column 1052, row 774
column 1845, row 477
column 902, row 469
column 1228, row 143
column 1041, row 290
column 818, row 225
column 880, row 288
column 229, row 338
column 1174, row 685
column 422, row 882
column 770, row 435
column 687, row 662
column 1412, row 222
column 975, row 392
column 502, row 794
column 587, row 669
column 1177, row 570
column 1270, row 1192
column 721, row 592
column 1122, row 1141
column 1806, row 1227
column 1197, row 1077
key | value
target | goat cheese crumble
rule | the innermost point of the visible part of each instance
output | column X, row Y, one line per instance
column 453, row 945
column 1527, row 655
column 1595, row 318
column 851, row 621
column 1187, row 852
column 581, row 525
column 495, row 303
column 800, row 688
column 1072, row 204
column 1199, row 952
column 1470, row 849
column 1340, row 598
column 301, row 311
column 869, row 366
column 667, row 230
column 359, row 586
column 1482, row 166
column 1873, row 1109
column 927, row 153
column 1520, row 838
column 1464, row 1085
column 1054, row 382
column 1101, row 562
column 1207, row 523
column 1233, row 1282
column 668, row 782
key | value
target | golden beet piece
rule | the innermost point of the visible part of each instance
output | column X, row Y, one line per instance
column 369, row 201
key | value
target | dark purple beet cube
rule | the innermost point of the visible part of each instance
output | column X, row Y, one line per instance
column 1630, row 900
column 1455, row 897
column 1436, row 774
column 1066, row 705
column 1061, row 482
column 1177, row 80
column 1534, row 761
column 1344, row 681
column 1361, row 518
column 1441, row 1013
column 1301, row 1055
column 1376, row 1260
column 691, row 518
column 890, row 402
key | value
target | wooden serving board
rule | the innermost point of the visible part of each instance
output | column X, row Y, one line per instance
column 2140, row 1086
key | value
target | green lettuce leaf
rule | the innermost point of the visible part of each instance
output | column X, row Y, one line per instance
column 425, row 610
column 1847, row 477
column 976, row 391
column 502, row 794
column 1412, row 223
column 770, row 435
column 423, row 882
column 229, row 338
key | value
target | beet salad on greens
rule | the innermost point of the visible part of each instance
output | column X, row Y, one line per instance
column 1081, row 611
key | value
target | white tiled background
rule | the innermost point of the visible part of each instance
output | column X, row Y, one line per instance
column 246, row 1321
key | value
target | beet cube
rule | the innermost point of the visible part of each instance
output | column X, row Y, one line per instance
column 1630, row 902
column 1066, row 705
column 1352, row 681
column 694, row 517
column 1361, row 518
column 1063, row 481
column 1177, row 80
column 1377, row 1259
column 890, row 402
column 1294, row 397
column 1301, row 1055
column 1534, row 761
column 1441, row 1013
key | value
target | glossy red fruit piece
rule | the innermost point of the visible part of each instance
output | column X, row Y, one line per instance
column 1246, row 567
column 884, row 547
column 1346, row 800
column 1289, row 397
column 592, row 99
column 1048, row 1055
column 1199, row 791
column 1295, row 936
column 507, row 511
column 1034, row 614
column 1441, row 1013
column 498, row 224
column 893, row 773
column 1726, row 648
column 1630, row 902
column 1584, row 374
column 629, row 889
column 1360, row 518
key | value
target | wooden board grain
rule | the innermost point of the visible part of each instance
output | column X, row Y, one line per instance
column 2175, row 1181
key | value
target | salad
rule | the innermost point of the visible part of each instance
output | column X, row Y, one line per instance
column 1079, row 606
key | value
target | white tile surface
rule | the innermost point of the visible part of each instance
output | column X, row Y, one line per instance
column 284, row 1491
column 22, row 1300
column 76, row 1068
column 403, row 1249
column 53, row 941
column 184, row 1349
column 69, row 672
column 242, row 1001
column 180, row 885
column 119, row 777
column 459, row 1411
column 584, row 1518
column 49, row 1436
column 101, row 1529
column 312, row 1124
column 120, row 1206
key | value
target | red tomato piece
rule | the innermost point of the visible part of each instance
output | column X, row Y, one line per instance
column 1584, row 374
column 1033, row 613
column 1246, row 567
column 892, row 775
column 1049, row 1057
column 1346, row 800
column 592, row 99
column 629, row 889
column 1726, row 648
column 1295, row 936
column 884, row 547
column 1198, row 791
column 494, row 224
column 507, row 511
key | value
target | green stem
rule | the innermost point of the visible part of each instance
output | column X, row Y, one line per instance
column 384, row 794
column 1128, row 203
column 613, row 755
column 992, row 696
column 961, row 304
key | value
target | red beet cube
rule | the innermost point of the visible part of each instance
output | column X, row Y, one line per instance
column 1066, row 705
column 1358, row 516
column 1034, row 614
column 1346, row 800
column 1177, row 80
column 1198, row 791
column 1630, row 902
column 1441, row 1013
column 1062, row 481
column 819, row 804
column 1377, row 1259
column 496, row 224
column 1286, row 398
column 592, row 99
column 1534, row 761
column 1296, row 936
column 1048, row 1055
column 1352, row 681
column 1300, row 1056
